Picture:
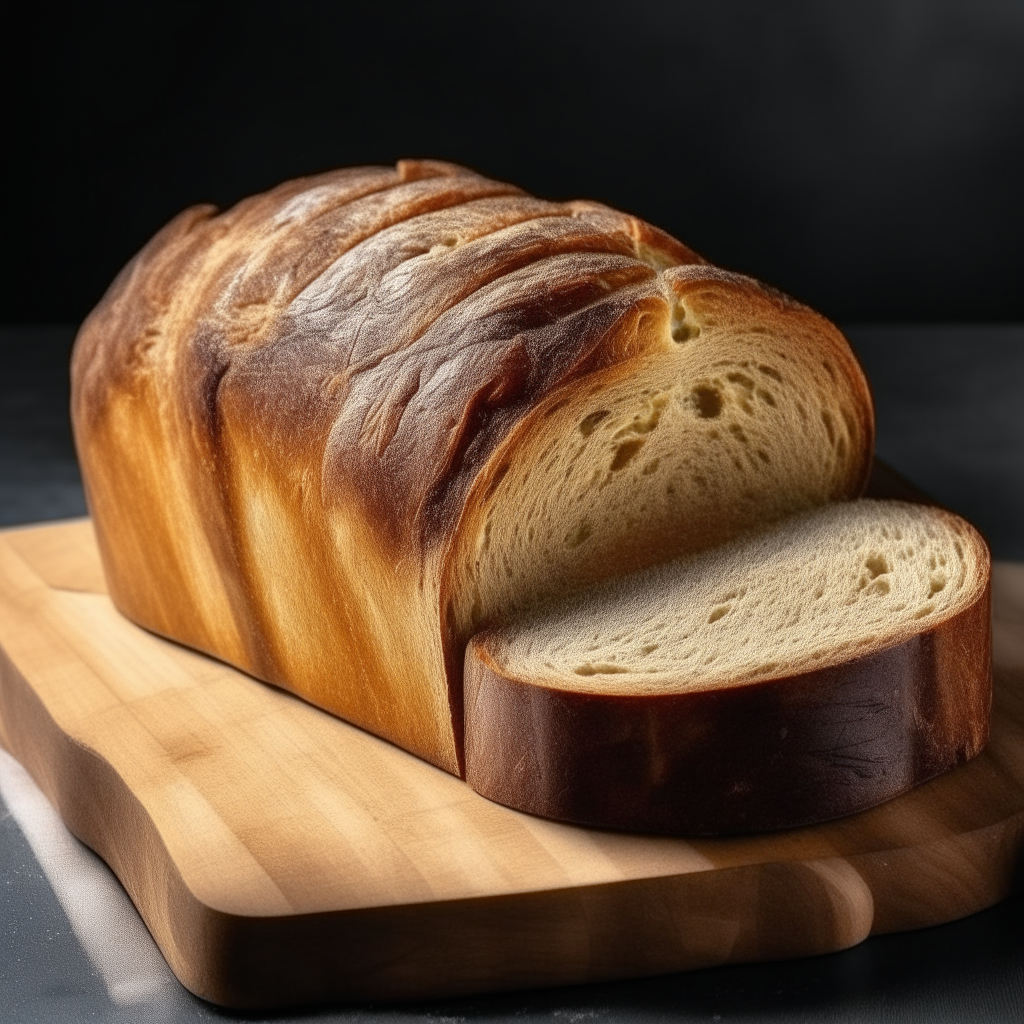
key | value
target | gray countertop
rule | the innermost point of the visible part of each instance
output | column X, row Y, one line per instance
column 950, row 418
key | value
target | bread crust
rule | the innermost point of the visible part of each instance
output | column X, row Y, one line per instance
column 286, row 413
column 775, row 753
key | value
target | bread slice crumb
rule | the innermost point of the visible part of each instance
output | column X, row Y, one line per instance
column 815, row 590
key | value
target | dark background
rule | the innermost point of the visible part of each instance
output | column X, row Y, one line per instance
column 866, row 157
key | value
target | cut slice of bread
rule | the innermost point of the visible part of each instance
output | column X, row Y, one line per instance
column 811, row 670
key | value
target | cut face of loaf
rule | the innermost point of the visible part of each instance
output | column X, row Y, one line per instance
column 814, row 669
column 733, row 417
column 329, row 433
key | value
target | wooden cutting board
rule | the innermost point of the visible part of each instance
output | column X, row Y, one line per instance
column 280, row 856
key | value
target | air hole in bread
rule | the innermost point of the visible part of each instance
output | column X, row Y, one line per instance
column 588, row 423
column 770, row 371
column 681, row 330
column 720, row 612
column 936, row 583
column 626, row 452
column 684, row 332
column 876, row 565
column 706, row 402
column 499, row 475
column 574, row 538
column 647, row 421
column 599, row 668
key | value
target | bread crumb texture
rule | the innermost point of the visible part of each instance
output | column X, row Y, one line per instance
column 738, row 424
column 816, row 590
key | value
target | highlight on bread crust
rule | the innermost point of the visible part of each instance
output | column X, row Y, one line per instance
column 329, row 433
column 816, row 668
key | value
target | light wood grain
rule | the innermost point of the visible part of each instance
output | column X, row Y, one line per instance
column 280, row 856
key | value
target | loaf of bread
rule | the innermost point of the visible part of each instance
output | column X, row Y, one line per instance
column 821, row 666
column 331, row 434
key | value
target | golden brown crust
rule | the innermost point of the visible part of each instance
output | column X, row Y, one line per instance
column 282, row 411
